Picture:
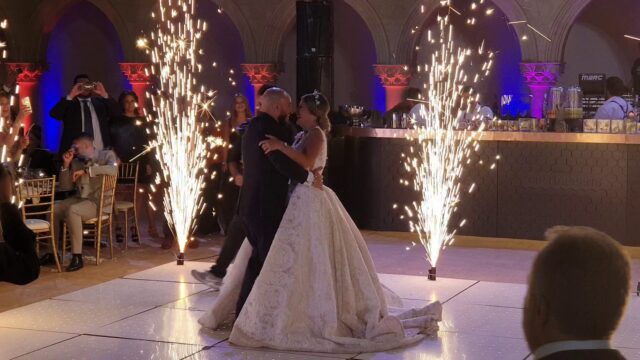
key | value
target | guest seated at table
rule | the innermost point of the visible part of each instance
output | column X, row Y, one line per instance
column 578, row 291
column 87, row 109
column 83, row 168
column 38, row 158
column 404, row 107
column 470, row 112
column 18, row 259
column 615, row 108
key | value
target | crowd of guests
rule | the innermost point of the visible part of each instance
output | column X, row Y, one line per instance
column 100, row 132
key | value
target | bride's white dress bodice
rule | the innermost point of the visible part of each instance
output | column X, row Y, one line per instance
column 299, row 143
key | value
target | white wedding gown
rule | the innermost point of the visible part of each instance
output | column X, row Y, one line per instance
column 318, row 289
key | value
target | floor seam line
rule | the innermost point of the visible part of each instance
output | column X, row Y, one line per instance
column 146, row 340
column 463, row 290
column 50, row 345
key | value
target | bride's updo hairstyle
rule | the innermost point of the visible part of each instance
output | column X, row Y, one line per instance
column 318, row 105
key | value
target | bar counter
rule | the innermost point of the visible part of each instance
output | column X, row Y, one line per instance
column 541, row 180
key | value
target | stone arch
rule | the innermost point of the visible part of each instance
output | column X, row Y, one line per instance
column 561, row 26
column 414, row 24
column 284, row 16
column 241, row 23
column 48, row 13
column 376, row 28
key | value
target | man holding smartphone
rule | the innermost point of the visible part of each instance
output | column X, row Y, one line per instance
column 82, row 169
column 87, row 109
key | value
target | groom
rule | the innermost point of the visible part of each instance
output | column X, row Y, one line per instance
column 264, row 194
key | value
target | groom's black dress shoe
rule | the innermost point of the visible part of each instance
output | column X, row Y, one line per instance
column 47, row 259
column 76, row 263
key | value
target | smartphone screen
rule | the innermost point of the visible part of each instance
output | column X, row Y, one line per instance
column 26, row 102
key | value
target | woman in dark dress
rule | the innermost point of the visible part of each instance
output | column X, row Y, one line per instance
column 129, row 138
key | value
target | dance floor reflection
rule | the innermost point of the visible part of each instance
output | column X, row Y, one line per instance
column 153, row 315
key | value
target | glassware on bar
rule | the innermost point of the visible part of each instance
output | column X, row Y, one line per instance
column 554, row 102
column 631, row 126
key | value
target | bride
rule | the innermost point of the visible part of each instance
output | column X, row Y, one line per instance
column 318, row 289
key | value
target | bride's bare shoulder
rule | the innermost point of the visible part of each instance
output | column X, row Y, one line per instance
column 317, row 134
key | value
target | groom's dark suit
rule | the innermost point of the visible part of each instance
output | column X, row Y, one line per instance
column 263, row 197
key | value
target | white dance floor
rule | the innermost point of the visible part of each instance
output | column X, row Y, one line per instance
column 153, row 315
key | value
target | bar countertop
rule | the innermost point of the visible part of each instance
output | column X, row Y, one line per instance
column 585, row 138
column 542, row 179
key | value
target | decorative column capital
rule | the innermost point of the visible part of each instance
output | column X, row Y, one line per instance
column 541, row 73
column 261, row 73
column 136, row 72
column 26, row 72
column 393, row 75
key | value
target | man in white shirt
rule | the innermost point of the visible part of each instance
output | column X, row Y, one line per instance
column 615, row 108
column 578, row 291
column 471, row 112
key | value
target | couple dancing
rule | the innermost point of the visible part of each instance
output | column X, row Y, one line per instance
column 304, row 280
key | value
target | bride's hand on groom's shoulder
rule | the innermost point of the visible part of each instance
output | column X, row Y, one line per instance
column 272, row 143
column 318, row 181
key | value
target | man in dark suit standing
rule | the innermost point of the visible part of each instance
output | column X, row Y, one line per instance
column 578, row 291
column 264, row 193
column 87, row 109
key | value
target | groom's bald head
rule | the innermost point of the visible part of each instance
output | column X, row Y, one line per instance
column 277, row 103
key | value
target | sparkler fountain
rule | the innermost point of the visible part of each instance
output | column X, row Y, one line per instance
column 181, row 146
column 437, row 160
column 7, row 132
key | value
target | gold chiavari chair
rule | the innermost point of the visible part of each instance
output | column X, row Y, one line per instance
column 128, row 189
column 95, row 227
column 38, row 200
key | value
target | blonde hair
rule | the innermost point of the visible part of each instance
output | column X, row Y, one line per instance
column 319, row 106
column 247, row 108
column 584, row 276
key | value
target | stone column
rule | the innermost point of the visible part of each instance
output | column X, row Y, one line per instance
column 27, row 76
column 260, row 74
column 139, row 77
column 395, row 80
column 540, row 77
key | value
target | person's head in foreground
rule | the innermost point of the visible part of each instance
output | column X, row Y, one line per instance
column 578, row 290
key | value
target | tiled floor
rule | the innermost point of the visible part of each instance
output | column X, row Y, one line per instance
column 153, row 315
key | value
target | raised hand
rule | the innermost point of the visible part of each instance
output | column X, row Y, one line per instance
column 24, row 142
column 77, row 175
column 67, row 157
column 100, row 90
column 25, row 110
column 75, row 90
column 271, row 144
